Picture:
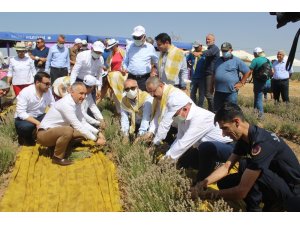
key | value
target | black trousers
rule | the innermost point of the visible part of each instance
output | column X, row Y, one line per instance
column 207, row 92
column 269, row 188
column 281, row 87
column 141, row 80
column 26, row 130
column 57, row 73
column 205, row 157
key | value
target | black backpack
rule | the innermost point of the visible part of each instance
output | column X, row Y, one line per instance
column 264, row 72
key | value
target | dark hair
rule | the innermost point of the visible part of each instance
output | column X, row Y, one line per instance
column 41, row 39
column 163, row 37
column 228, row 112
column 39, row 76
column 61, row 36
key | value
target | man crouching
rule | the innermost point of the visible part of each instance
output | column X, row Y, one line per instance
column 64, row 122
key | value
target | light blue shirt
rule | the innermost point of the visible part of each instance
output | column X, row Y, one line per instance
column 280, row 72
column 227, row 73
column 138, row 60
column 58, row 58
column 144, row 121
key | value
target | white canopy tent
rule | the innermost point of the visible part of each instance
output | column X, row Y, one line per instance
column 243, row 55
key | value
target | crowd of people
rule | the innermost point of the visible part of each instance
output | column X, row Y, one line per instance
column 58, row 88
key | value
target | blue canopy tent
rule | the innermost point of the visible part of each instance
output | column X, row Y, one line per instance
column 92, row 39
column 8, row 39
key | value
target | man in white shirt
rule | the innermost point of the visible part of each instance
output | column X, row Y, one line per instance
column 64, row 122
column 280, row 81
column 136, row 107
column 31, row 105
column 199, row 143
column 140, row 60
column 89, row 62
column 166, row 98
column 97, row 120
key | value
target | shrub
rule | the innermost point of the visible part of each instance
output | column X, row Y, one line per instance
column 7, row 128
column 146, row 186
column 289, row 130
column 8, row 146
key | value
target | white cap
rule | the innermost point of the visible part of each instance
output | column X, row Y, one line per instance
column 257, row 50
column 98, row 46
column 84, row 42
column 3, row 85
column 90, row 80
column 77, row 41
column 138, row 31
column 177, row 103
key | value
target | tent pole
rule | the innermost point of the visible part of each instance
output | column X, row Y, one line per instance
column 7, row 47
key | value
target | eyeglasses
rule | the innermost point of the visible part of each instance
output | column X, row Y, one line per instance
column 137, row 38
column 48, row 84
column 152, row 92
column 38, row 42
column 130, row 88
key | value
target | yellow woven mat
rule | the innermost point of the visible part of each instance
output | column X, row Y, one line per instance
column 38, row 185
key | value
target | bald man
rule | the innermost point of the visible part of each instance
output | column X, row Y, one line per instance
column 280, row 81
column 136, row 108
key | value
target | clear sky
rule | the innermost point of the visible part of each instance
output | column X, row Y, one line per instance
column 243, row 30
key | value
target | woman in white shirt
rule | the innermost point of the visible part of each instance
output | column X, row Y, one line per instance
column 21, row 69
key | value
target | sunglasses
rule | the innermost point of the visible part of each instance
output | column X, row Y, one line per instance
column 137, row 38
column 130, row 88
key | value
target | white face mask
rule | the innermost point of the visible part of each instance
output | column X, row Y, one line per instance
column 60, row 45
column 138, row 42
column 179, row 119
column 95, row 55
column 131, row 94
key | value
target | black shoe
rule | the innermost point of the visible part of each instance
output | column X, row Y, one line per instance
column 62, row 162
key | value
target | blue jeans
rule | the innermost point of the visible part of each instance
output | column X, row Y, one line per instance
column 205, row 157
column 197, row 85
column 220, row 98
column 258, row 89
column 26, row 129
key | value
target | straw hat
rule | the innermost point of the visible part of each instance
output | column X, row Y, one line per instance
column 20, row 46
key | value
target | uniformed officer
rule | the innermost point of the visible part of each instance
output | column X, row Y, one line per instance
column 269, row 171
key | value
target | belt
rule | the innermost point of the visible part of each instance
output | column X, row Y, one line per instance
column 138, row 77
column 41, row 129
column 63, row 68
column 282, row 79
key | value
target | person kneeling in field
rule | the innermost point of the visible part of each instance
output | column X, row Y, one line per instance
column 96, row 118
column 64, row 122
column 136, row 106
column 199, row 144
column 268, row 173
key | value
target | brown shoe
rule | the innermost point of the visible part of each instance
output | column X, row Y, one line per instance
column 62, row 162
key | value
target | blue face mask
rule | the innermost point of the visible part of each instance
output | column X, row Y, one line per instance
column 226, row 55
